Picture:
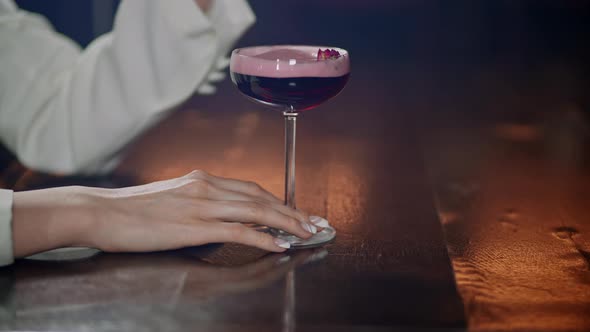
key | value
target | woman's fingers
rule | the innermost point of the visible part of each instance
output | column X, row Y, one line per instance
column 238, row 233
column 246, row 187
column 256, row 212
column 297, row 214
column 221, row 194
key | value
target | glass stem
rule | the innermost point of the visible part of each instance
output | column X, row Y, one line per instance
column 290, row 128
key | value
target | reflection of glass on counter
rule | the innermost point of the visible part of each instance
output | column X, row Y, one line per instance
column 131, row 285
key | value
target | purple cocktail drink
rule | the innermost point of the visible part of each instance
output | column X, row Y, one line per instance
column 289, row 78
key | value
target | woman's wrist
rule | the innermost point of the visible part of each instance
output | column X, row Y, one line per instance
column 52, row 218
column 204, row 5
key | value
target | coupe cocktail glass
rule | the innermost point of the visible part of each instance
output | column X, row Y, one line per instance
column 291, row 79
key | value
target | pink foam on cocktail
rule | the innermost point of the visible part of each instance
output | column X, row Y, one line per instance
column 288, row 61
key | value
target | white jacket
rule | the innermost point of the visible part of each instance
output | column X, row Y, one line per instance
column 64, row 110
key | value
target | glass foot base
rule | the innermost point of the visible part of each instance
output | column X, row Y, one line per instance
column 326, row 235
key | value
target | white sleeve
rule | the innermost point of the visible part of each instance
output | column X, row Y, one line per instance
column 6, row 256
column 66, row 111
column 230, row 18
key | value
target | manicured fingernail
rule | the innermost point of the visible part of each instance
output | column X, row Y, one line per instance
column 310, row 228
column 319, row 221
column 282, row 243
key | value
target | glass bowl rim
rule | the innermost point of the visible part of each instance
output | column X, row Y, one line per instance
column 343, row 52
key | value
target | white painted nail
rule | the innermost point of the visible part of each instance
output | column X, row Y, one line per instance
column 282, row 243
column 319, row 221
column 313, row 229
column 309, row 227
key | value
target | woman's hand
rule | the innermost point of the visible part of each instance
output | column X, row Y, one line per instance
column 195, row 209
column 191, row 210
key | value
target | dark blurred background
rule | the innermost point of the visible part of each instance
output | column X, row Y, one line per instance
column 541, row 37
column 438, row 64
column 461, row 32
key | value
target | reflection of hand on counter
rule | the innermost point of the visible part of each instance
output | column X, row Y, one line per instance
column 7, row 311
column 160, row 278
column 224, row 280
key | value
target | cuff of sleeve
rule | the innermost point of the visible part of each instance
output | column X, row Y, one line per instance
column 6, row 254
column 185, row 17
column 230, row 19
column 7, row 6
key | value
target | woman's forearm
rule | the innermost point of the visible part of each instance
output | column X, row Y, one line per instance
column 49, row 219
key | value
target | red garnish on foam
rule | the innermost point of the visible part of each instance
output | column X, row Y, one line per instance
column 328, row 54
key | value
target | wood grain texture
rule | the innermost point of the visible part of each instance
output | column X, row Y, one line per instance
column 509, row 158
column 388, row 267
